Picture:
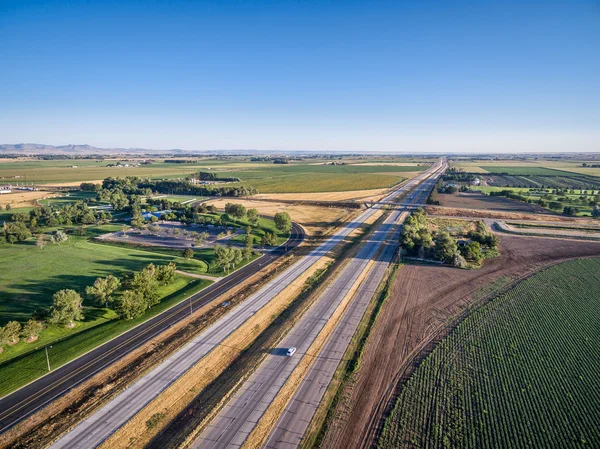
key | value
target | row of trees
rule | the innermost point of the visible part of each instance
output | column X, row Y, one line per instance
column 549, row 201
column 140, row 291
column 418, row 239
column 119, row 189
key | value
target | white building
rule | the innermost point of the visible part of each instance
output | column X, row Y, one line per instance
column 5, row 189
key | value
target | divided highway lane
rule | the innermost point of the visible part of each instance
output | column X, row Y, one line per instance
column 232, row 426
column 104, row 422
column 32, row 397
column 293, row 422
column 241, row 414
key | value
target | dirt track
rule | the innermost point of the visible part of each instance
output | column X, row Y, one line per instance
column 422, row 300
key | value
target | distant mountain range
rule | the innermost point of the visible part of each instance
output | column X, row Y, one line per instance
column 38, row 149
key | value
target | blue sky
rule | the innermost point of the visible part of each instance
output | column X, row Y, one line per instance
column 284, row 75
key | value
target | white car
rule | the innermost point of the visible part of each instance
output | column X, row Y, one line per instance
column 290, row 352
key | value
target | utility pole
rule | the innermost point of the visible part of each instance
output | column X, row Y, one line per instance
column 48, row 359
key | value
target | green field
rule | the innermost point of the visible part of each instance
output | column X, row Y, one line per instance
column 296, row 177
column 522, row 371
column 30, row 275
column 299, row 178
column 99, row 327
column 68, row 198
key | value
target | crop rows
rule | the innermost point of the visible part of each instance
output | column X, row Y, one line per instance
column 522, row 371
column 533, row 181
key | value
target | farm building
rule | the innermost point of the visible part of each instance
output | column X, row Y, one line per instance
column 5, row 189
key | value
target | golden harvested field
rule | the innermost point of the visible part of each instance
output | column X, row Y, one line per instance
column 324, row 196
column 23, row 198
column 312, row 218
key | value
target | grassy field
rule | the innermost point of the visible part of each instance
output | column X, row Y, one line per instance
column 100, row 326
column 522, row 371
column 572, row 166
column 296, row 177
column 69, row 198
column 30, row 275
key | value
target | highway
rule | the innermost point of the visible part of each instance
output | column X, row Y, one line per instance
column 34, row 396
column 233, row 424
column 293, row 422
column 93, row 430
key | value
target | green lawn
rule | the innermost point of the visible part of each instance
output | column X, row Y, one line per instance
column 100, row 326
column 68, row 198
column 30, row 275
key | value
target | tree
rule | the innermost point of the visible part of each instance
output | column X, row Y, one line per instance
column 269, row 239
column 102, row 290
column 130, row 305
column 19, row 216
column 445, row 247
column 59, row 237
column 248, row 241
column 80, row 231
column 201, row 238
column 188, row 253
column 8, row 207
column 12, row 330
column 15, row 232
column 3, row 338
column 554, row 205
column 146, row 283
column 570, row 210
column 472, row 251
column 41, row 241
column 416, row 235
column 247, row 253
column 283, row 222
column 237, row 211
column 596, row 212
column 66, row 308
column 165, row 274
column 32, row 329
column 228, row 257
column 252, row 216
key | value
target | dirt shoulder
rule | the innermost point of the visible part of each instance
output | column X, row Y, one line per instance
column 423, row 300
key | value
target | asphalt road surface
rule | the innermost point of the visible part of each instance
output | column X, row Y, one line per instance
column 96, row 428
column 295, row 419
column 233, row 424
column 29, row 399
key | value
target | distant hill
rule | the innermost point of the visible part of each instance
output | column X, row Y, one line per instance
column 37, row 148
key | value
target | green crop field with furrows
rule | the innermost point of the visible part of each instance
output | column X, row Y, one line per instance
column 522, row 371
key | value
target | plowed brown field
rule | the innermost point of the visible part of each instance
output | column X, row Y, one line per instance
column 423, row 300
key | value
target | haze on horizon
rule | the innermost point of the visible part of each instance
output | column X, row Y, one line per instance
column 354, row 75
